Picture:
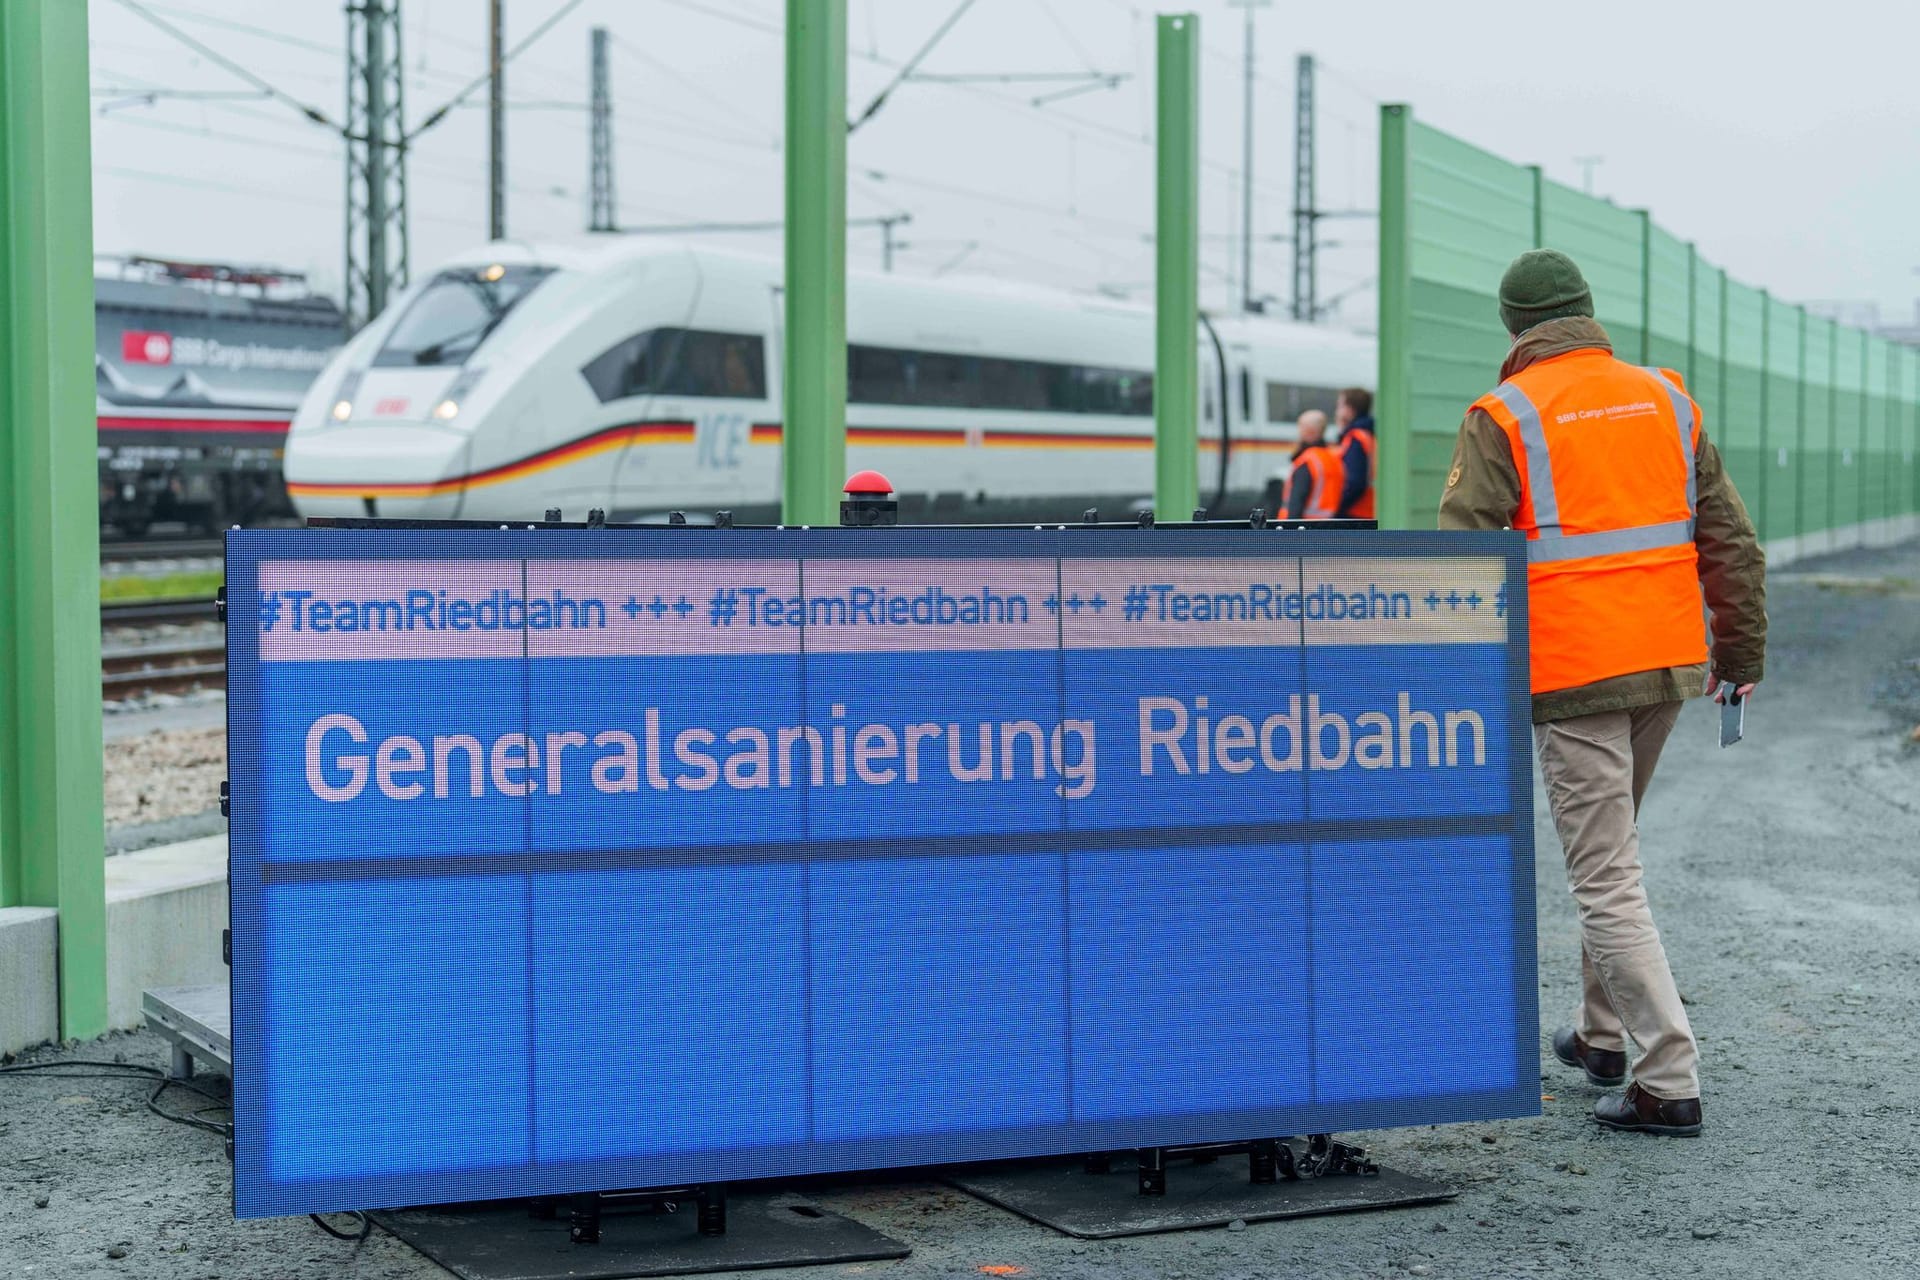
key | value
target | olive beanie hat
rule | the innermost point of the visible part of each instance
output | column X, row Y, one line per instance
column 1542, row 284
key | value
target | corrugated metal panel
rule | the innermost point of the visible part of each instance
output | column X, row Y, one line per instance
column 1877, row 460
column 1669, row 300
column 1606, row 241
column 1819, row 392
column 1819, row 423
column 1471, row 214
column 1848, row 435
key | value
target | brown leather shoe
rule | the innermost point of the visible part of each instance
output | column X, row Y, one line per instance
column 1640, row 1112
column 1606, row 1067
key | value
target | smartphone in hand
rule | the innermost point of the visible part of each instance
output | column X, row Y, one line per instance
column 1733, row 714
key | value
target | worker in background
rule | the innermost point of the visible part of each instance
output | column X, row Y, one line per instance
column 1354, row 414
column 1313, row 486
column 1628, row 515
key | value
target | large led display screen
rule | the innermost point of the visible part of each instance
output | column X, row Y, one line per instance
column 565, row 860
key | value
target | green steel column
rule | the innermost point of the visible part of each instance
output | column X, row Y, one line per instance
column 1393, row 405
column 51, row 839
column 1768, row 457
column 814, row 386
column 1176, row 360
column 1861, row 463
column 1646, row 287
column 1693, row 320
column 1833, row 426
column 1539, row 207
column 1800, row 529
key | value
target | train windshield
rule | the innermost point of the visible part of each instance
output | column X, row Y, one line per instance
column 455, row 313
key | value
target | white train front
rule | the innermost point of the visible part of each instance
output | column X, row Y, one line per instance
column 641, row 377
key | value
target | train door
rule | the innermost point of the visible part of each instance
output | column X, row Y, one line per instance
column 1262, row 443
column 652, row 469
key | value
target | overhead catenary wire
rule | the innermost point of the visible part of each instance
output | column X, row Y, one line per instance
column 932, row 42
column 714, row 119
column 206, row 51
column 439, row 113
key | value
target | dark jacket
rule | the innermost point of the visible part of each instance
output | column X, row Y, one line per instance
column 1354, row 458
column 1483, row 492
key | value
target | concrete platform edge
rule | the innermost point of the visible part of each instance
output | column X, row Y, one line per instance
column 29, row 976
column 165, row 909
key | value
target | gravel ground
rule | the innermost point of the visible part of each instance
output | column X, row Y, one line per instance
column 1785, row 874
column 168, row 773
column 165, row 753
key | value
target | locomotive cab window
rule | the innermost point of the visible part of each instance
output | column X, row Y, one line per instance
column 681, row 362
column 455, row 313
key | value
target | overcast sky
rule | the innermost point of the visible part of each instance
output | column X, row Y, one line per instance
column 1783, row 139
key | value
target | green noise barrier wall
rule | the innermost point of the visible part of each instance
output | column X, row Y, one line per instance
column 1817, row 421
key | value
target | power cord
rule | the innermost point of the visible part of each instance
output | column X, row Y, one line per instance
column 136, row 1071
column 366, row 1226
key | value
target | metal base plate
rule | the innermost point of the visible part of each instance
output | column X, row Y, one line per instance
column 197, row 1022
column 499, row 1241
column 1099, row 1206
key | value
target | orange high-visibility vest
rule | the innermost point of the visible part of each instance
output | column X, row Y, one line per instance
column 1605, row 453
column 1328, row 476
column 1363, row 508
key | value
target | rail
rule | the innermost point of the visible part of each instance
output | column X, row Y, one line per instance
column 122, row 550
column 127, row 613
column 133, row 670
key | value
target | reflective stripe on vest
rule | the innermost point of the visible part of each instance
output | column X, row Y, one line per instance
column 1326, row 475
column 1552, row 543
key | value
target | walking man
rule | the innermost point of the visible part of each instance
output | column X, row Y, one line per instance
column 1629, row 517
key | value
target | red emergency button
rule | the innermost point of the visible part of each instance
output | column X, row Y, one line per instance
column 867, row 484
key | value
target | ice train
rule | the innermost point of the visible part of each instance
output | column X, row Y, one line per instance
column 640, row 377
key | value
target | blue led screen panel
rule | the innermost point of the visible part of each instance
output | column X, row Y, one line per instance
column 568, row 860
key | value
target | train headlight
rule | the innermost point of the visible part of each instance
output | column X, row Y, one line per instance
column 344, row 397
column 457, row 392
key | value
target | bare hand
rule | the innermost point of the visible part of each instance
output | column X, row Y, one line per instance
column 1740, row 694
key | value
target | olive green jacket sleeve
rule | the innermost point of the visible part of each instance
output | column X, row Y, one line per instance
column 1733, row 571
column 1483, row 485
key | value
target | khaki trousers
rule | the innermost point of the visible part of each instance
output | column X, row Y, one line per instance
column 1597, row 767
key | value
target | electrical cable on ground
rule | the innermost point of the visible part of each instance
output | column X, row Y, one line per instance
column 366, row 1226
column 97, row 1069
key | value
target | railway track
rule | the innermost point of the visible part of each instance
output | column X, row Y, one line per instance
column 170, row 666
column 161, row 549
column 132, row 671
column 140, row 613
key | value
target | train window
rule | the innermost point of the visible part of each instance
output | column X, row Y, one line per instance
column 1013, row 384
column 681, row 362
column 889, row 375
column 455, row 313
column 879, row 375
column 1286, row 401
